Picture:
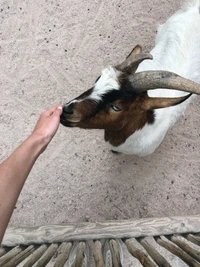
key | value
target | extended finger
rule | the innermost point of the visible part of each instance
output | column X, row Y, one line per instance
column 50, row 111
column 58, row 111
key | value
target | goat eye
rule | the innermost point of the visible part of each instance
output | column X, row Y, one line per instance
column 115, row 108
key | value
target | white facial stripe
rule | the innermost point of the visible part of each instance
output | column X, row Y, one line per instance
column 107, row 82
column 73, row 101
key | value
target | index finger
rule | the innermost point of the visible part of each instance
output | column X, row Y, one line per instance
column 50, row 111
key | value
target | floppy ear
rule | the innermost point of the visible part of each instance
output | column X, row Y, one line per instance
column 162, row 102
column 132, row 61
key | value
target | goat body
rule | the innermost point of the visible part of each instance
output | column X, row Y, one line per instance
column 176, row 50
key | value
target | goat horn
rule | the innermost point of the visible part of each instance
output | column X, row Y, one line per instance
column 131, row 63
column 149, row 80
column 136, row 50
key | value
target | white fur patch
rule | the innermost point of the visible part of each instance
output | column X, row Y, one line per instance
column 107, row 82
column 177, row 50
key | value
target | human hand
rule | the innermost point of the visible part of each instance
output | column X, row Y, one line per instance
column 48, row 123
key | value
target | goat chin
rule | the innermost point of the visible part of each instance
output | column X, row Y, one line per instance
column 176, row 49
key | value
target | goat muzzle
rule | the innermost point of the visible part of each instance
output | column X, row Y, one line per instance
column 67, row 118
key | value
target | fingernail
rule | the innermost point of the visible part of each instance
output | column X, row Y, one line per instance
column 60, row 107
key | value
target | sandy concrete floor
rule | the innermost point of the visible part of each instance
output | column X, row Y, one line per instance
column 51, row 51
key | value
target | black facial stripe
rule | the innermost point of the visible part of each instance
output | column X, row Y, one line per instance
column 114, row 95
column 111, row 97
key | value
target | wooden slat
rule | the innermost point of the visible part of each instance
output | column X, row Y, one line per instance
column 193, row 239
column 12, row 253
column 178, row 252
column 107, row 255
column 3, row 251
column 20, row 257
column 47, row 255
column 184, row 246
column 139, row 254
column 98, row 255
column 96, row 231
column 65, row 249
column 36, row 255
column 115, row 253
column 197, row 237
column 79, row 255
column 154, row 254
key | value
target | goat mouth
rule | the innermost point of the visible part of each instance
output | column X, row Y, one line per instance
column 67, row 123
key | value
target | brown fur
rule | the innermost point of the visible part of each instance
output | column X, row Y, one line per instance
column 134, row 119
column 118, row 125
column 135, row 105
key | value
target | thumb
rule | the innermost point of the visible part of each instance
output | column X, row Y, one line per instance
column 58, row 111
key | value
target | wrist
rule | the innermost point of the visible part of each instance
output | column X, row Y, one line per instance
column 39, row 142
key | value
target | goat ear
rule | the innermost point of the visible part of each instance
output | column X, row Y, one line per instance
column 132, row 61
column 162, row 102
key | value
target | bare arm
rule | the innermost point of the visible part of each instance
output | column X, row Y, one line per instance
column 15, row 169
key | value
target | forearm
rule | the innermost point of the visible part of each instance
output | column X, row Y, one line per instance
column 13, row 174
column 15, row 169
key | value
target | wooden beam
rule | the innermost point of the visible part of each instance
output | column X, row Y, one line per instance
column 98, row 255
column 178, row 252
column 115, row 253
column 48, row 254
column 36, row 255
column 180, row 242
column 194, row 239
column 20, row 257
column 155, row 255
column 139, row 254
column 63, row 256
column 11, row 254
column 100, row 230
column 80, row 255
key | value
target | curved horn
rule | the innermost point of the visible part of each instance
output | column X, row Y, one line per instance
column 131, row 63
column 136, row 50
column 149, row 80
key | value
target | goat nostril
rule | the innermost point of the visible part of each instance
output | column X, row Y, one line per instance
column 68, row 109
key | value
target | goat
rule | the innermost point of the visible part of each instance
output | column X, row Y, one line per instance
column 130, row 101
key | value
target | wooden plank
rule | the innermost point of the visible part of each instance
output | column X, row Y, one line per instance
column 47, row 255
column 115, row 253
column 139, row 254
column 178, row 252
column 107, row 255
column 36, row 255
column 3, row 251
column 8, row 256
column 154, row 254
column 179, row 241
column 193, row 239
column 79, row 255
column 65, row 249
column 99, row 230
column 197, row 237
column 98, row 255
column 20, row 257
